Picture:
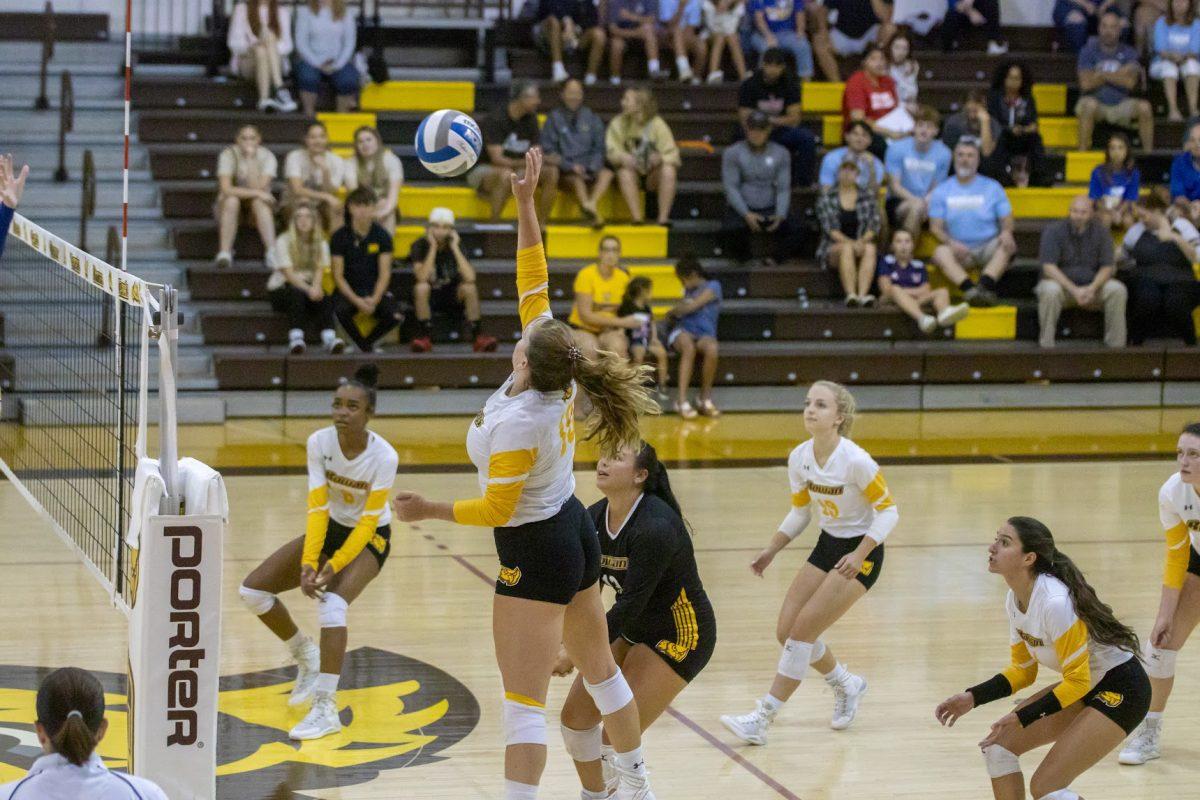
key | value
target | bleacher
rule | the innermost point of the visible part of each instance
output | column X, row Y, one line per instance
column 780, row 325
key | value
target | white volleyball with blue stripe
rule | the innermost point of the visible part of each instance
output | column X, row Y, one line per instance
column 448, row 142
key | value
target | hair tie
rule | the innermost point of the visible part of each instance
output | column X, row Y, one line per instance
column 74, row 713
column 574, row 353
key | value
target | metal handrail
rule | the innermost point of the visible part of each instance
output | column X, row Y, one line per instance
column 66, row 124
column 48, row 34
column 87, row 204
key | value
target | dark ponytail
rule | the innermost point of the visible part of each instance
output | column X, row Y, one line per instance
column 70, row 708
column 657, row 483
column 366, row 378
column 1192, row 429
column 1103, row 626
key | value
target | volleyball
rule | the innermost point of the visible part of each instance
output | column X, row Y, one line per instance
column 448, row 142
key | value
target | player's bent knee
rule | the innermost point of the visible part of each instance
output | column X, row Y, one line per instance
column 258, row 601
column 583, row 746
column 612, row 695
column 331, row 612
column 524, row 720
column 1160, row 664
column 1061, row 794
column 1000, row 761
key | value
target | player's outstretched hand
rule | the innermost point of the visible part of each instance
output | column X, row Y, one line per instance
column 524, row 188
column 763, row 560
column 564, row 666
column 324, row 577
column 12, row 185
column 949, row 710
column 308, row 582
column 409, row 507
column 1001, row 728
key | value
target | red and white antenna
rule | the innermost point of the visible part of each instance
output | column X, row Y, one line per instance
column 125, row 170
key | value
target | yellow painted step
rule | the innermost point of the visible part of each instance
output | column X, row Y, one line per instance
column 418, row 201
column 341, row 127
column 637, row 241
column 1042, row 203
column 1051, row 98
column 817, row 97
column 1080, row 164
column 418, row 96
column 403, row 238
column 663, row 283
column 1059, row 131
column 988, row 323
column 831, row 130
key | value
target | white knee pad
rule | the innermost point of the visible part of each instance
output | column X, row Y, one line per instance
column 818, row 652
column 331, row 612
column 524, row 720
column 258, row 601
column 1000, row 762
column 583, row 746
column 612, row 695
column 795, row 658
column 1160, row 663
column 1061, row 794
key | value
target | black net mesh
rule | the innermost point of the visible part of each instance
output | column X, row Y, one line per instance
column 68, row 412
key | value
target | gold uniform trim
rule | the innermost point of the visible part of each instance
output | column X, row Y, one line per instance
column 687, row 630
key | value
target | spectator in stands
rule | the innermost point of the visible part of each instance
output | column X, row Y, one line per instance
column 1144, row 17
column 1177, row 55
column 379, row 169
column 904, row 69
column 326, row 35
column 260, row 37
column 508, row 133
column 904, row 281
column 780, row 23
column 570, row 25
column 1185, row 176
column 722, row 18
column 680, row 23
column 245, row 170
column 757, row 176
column 641, row 148
column 443, row 279
column 775, row 90
column 695, row 333
column 1019, row 155
column 1115, row 184
column 857, row 24
column 870, row 169
column 314, row 173
column 870, row 97
column 974, row 121
column 1108, row 72
column 850, row 225
column 598, row 290
column 573, row 141
column 362, row 270
column 627, row 20
column 1076, row 20
column 296, row 285
column 971, row 216
column 643, row 340
column 964, row 14
column 1163, row 289
column 915, row 166
column 1078, row 269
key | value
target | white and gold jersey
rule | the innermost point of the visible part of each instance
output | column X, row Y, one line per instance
column 848, row 493
column 524, row 445
column 1179, row 511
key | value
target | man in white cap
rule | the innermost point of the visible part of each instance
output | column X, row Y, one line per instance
column 445, row 280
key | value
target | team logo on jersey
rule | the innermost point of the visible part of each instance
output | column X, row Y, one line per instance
column 509, row 576
column 868, row 567
column 396, row 711
column 1111, row 699
column 479, row 419
column 614, row 562
column 1032, row 641
column 1194, row 524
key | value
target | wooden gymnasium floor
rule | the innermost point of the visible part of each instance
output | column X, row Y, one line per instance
column 422, row 685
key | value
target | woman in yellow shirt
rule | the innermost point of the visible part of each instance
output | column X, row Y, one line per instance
column 640, row 146
column 599, row 288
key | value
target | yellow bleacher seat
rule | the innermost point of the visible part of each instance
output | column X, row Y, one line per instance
column 1059, row 131
column 418, row 96
column 663, row 283
column 988, row 323
column 637, row 241
column 418, row 201
column 831, row 130
column 404, row 237
column 819, row 98
column 341, row 127
column 1051, row 98
column 1042, row 203
column 1080, row 164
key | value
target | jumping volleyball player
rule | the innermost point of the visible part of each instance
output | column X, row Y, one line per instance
column 1056, row 620
column 662, row 625
column 346, row 542
column 856, row 513
column 1179, row 608
column 548, row 591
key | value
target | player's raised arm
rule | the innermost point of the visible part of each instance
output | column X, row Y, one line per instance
column 533, row 276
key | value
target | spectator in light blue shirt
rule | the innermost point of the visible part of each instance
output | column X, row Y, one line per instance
column 695, row 334
column 1176, row 55
column 971, row 217
column 1185, row 176
column 915, row 166
column 870, row 168
column 1115, row 184
column 780, row 23
column 325, row 43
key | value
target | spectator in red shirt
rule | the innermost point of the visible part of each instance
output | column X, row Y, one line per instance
column 871, row 95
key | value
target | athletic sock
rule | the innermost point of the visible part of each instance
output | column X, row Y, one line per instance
column 296, row 643
column 1154, row 719
column 519, row 791
column 632, row 761
column 327, row 683
column 967, row 283
column 987, row 282
column 771, row 703
column 652, row 65
column 839, row 675
column 682, row 64
column 587, row 794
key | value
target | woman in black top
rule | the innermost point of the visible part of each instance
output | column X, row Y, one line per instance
column 850, row 224
column 1019, row 154
column 1163, row 290
column 662, row 626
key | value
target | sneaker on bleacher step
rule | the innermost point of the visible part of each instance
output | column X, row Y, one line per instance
column 867, row 301
column 485, row 344
column 589, row 79
column 851, row 301
column 952, row 314
column 333, row 343
column 295, row 341
column 224, row 260
column 558, row 72
column 928, row 323
column 421, row 344
column 980, row 297
column 284, row 101
column 997, row 48
column 268, row 105
column 716, row 76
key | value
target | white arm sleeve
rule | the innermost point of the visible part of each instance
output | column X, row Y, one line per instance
column 801, row 512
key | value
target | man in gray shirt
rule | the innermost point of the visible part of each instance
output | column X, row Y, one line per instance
column 1077, row 270
column 573, row 140
column 757, row 176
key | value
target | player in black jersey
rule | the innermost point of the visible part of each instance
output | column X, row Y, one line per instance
column 662, row 626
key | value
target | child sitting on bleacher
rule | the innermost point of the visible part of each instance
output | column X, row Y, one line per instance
column 636, row 301
column 903, row 280
column 721, row 20
column 695, row 318
column 1115, row 184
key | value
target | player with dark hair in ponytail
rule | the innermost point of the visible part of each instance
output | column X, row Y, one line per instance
column 70, row 724
column 662, row 627
column 1055, row 619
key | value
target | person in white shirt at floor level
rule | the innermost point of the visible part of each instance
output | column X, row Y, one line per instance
column 70, row 724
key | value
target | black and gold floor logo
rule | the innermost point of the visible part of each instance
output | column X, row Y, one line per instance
column 396, row 711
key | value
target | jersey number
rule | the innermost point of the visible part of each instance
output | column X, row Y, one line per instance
column 566, row 427
column 829, row 509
